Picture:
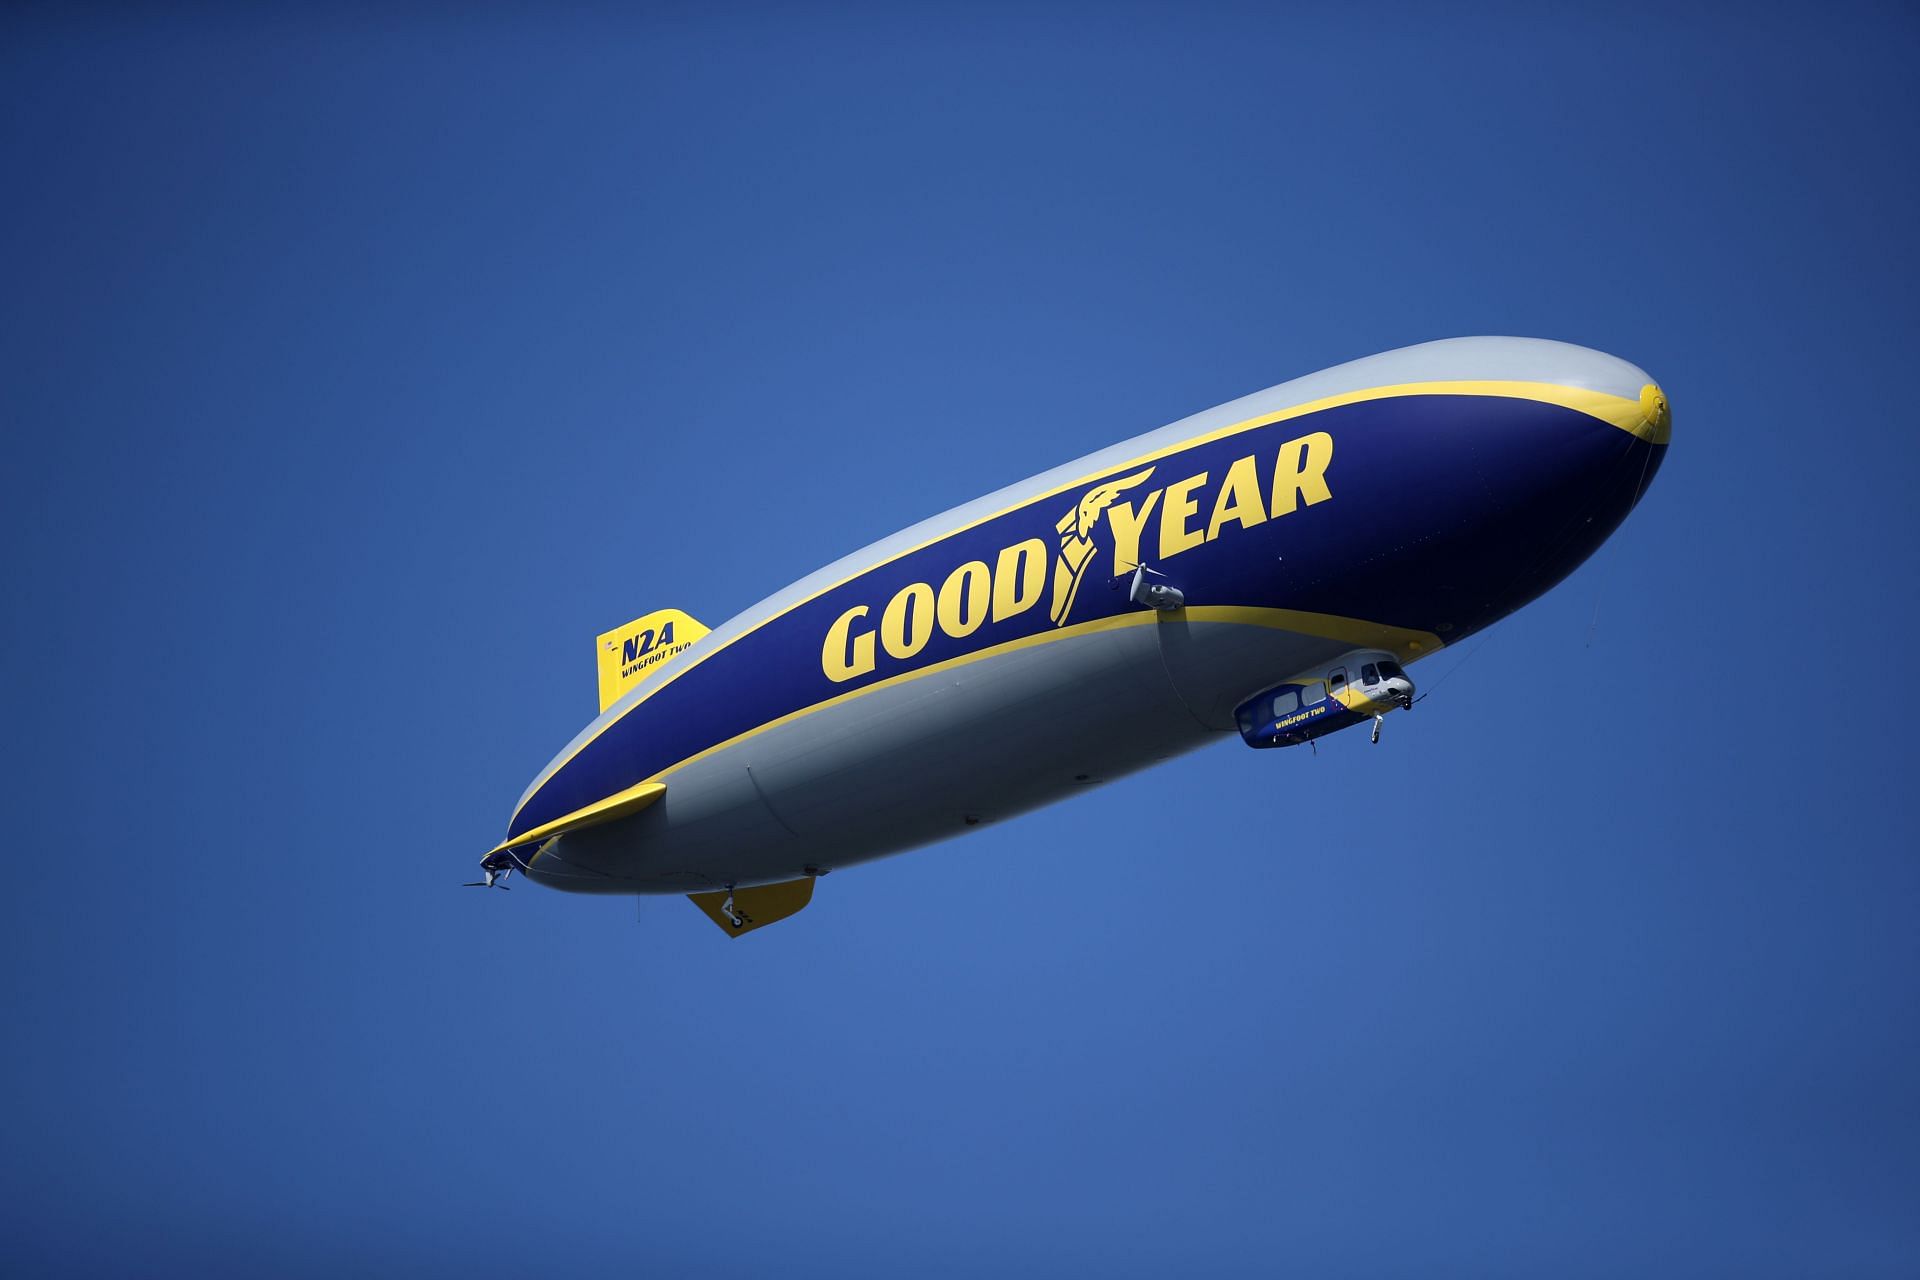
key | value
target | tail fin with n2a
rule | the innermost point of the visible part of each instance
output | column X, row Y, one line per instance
column 631, row 653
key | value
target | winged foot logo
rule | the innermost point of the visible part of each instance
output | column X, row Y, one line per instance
column 1252, row 490
column 1076, row 541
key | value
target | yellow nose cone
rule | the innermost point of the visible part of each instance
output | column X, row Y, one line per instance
column 1655, row 415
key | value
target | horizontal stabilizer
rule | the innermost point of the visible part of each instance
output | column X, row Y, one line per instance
column 618, row 805
column 754, row 907
column 630, row 654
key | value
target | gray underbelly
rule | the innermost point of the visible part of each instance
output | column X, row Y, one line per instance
column 930, row 758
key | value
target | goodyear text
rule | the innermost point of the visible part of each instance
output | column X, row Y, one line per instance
column 1144, row 523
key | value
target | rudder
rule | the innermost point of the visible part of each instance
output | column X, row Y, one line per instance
column 629, row 654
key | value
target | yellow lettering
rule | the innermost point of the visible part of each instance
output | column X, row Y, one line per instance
column 1126, row 532
column 1018, row 576
column 1305, row 474
column 1239, row 499
column 843, row 658
column 963, row 599
column 907, row 624
column 1175, row 537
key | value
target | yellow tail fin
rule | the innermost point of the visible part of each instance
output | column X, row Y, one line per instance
column 754, row 907
column 631, row 653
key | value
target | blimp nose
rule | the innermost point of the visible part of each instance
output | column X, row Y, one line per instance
column 1504, row 493
column 1656, row 415
column 1622, row 470
column 1575, row 479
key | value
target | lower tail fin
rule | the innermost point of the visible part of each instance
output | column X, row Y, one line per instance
column 744, row 910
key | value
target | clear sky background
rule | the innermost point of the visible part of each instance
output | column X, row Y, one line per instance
column 356, row 370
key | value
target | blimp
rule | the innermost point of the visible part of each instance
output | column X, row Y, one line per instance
column 1273, row 569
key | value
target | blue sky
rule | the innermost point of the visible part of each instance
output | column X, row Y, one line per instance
column 358, row 369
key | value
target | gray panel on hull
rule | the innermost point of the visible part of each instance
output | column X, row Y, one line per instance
column 909, row 764
column 984, row 741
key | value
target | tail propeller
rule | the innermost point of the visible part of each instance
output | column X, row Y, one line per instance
column 494, row 879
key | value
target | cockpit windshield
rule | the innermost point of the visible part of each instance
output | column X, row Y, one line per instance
column 1392, row 671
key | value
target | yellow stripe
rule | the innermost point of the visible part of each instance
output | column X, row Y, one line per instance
column 619, row 805
column 1628, row 415
column 1403, row 642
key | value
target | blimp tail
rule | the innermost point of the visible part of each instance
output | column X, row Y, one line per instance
column 627, row 655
